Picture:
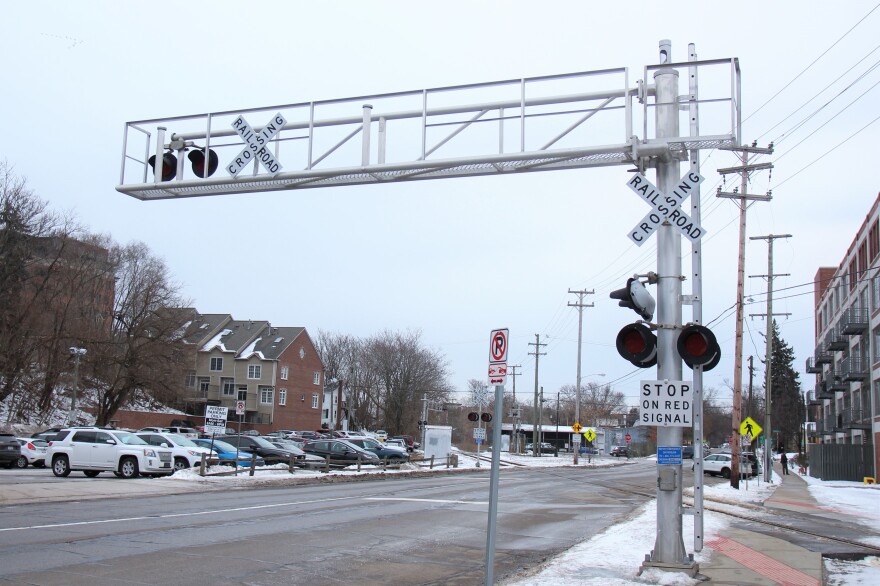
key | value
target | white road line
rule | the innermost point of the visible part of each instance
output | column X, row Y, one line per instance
column 442, row 501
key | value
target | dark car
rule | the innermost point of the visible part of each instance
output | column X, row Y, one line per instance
column 546, row 448
column 271, row 453
column 379, row 448
column 183, row 423
column 10, row 450
column 341, row 452
column 620, row 451
column 226, row 453
column 303, row 460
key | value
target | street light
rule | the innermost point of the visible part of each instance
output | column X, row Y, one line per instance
column 77, row 354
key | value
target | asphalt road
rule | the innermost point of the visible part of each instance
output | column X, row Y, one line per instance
column 404, row 531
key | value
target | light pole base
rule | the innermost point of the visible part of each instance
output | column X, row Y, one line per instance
column 691, row 568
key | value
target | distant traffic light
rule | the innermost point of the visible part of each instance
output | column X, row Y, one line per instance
column 197, row 158
column 473, row 416
column 169, row 166
column 697, row 346
column 638, row 344
column 487, row 417
column 636, row 297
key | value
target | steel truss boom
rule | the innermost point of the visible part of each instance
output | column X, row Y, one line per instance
column 568, row 121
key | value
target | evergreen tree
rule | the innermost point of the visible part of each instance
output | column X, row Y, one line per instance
column 788, row 409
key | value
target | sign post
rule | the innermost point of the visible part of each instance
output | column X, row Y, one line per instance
column 497, row 355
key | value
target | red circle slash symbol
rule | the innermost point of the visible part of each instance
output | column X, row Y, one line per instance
column 499, row 345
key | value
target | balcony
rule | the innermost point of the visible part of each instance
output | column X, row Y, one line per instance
column 834, row 340
column 823, row 356
column 854, row 321
column 823, row 391
column 813, row 367
column 854, row 419
column 813, row 399
column 825, row 426
column 855, row 368
column 836, row 384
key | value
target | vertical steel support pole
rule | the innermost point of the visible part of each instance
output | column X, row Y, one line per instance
column 768, row 367
column 382, row 139
column 697, row 302
column 160, row 153
column 365, row 135
column 494, row 478
column 669, row 545
column 577, row 399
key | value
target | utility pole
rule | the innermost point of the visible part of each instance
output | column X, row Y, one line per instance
column 515, row 439
column 537, row 344
column 577, row 401
column 768, row 366
column 742, row 197
column 77, row 354
column 750, row 405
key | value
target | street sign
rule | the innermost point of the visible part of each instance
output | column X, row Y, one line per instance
column 239, row 407
column 666, row 207
column 665, row 403
column 479, row 433
column 590, row 435
column 257, row 143
column 576, row 427
column 215, row 419
column 498, row 357
column 751, row 428
column 628, row 438
column 669, row 455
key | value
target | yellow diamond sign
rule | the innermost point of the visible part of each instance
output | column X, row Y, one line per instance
column 590, row 435
column 750, row 428
column 577, row 427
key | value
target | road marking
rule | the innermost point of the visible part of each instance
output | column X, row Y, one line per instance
column 174, row 515
column 442, row 501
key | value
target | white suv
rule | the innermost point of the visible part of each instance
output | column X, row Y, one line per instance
column 94, row 450
column 186, row 453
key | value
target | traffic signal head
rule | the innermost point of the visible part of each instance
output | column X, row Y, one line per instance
column 472, row 416
column 636, row 297
column 487, row 417
column 169, row 166
column 697, row 346
column 197, row 157
column 638, row 344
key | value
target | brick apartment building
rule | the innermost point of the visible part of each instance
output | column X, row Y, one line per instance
column 845, row 404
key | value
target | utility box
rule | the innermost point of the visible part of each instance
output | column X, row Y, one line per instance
column 438, row 441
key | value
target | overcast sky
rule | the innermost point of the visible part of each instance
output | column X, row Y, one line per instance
column 452, row 258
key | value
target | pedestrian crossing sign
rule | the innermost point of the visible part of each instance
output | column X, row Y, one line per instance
column 590, row 435
column 750, row 428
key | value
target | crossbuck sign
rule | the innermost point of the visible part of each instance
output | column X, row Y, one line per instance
column 667, row 207
column 256, row 145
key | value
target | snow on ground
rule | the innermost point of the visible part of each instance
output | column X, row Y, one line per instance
column 614, row 556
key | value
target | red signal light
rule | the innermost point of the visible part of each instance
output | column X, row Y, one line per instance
column 197, row 157
column 169, row 166
column 697, row 346
column 637, row 344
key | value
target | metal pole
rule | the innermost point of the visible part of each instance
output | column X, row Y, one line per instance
column 768, row 438
column 669, row 548
column 577, row 402
column 494, row 479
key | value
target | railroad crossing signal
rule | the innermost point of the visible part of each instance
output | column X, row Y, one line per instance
column 666, row 207
column 256, row 145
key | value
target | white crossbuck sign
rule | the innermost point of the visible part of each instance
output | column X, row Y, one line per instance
column 667, row 207
column 257, row 143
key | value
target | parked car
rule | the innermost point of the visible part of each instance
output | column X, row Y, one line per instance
column 397, row 443
column 183, row 423
column 280, row 433
column 189, row 432
column 47, row 434
column 95, row 450
column 341, row 452
column 225, row 452
column 411, row 443
column 687, row 452
column 309, row 435
column 380, row 449
column 303, row 460
column 381, row 434
column 545, row 447
column 271, row 453
column 185, row 452
column 33, row 452
column 722, row 462
column 153, row 429
column 620, row 451
column 10, row 450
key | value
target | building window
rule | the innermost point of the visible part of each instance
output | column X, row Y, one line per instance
column 282, row 396
column 190, row 379
column 254, row 371
column 228, row 386
column 315, row 401
column 874, row 241
column 204, row 383
column 216, row 364
column 317, row 378
column 242, row 392
column 876, row 282
column 284, row 373
column 267, row 395
column 876, row 345
column 876, row 398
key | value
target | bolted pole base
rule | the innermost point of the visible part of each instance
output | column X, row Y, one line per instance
column 691, row 568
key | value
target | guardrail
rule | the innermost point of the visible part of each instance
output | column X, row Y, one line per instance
column 385, row 463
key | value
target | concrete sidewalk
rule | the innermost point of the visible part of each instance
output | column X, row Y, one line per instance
column 750, row 558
